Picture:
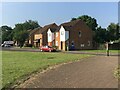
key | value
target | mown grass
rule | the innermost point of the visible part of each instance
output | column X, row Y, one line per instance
column 18, row 65
column 102, row 51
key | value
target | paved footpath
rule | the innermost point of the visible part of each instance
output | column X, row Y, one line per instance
column 93, row 72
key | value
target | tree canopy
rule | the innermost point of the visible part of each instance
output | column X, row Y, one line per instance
column 101, row 35
column 21, row 31
column 113, row 31
column 7, row 33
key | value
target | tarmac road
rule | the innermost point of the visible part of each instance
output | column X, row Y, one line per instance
column 93, row 72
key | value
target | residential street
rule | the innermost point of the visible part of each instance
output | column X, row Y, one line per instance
column 93, row 72
column 73, row 52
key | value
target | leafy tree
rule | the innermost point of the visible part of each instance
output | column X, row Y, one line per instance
column 73, row 19
column 113, row 31
column 101, row 35
column 20, row 37
column 7, row 33
column 21, row 31
column 30, row 25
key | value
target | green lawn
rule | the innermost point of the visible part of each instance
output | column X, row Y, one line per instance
column 19, row 65
column 101, row 51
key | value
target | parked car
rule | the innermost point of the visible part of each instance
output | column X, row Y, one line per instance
column 47, row 48
column 7, row 45
column 2, row 45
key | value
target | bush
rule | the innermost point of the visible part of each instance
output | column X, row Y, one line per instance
column 56, row 47
column 28, row 45
column 117, row 72
column 102, row 47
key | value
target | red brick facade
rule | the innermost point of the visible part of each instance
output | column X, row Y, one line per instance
column 80, row 36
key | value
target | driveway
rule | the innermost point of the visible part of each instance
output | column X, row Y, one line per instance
column 93, row 72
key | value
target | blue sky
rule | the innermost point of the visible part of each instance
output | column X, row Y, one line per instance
column 59, row 12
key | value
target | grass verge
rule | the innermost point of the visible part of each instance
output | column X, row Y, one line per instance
column 101, row 51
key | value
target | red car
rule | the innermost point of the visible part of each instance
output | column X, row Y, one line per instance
column 47, row 48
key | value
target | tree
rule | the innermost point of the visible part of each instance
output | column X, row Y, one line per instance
column 73, row 19
column 20, row 37
column 101, row 35
column 21, row 32
column 30, row 25
column 91, row 22
column 113, row 31
column 7, row 34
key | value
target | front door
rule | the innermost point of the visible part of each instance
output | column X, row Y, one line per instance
column 61, row 45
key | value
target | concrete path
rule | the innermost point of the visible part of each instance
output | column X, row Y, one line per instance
column 93, row 72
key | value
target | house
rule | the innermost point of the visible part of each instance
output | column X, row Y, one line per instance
column 51, row 34
column 31, row 35
column 41, row 37
column 74, row 35
column 30, row 40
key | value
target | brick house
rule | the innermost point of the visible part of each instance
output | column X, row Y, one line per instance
column 68, row 36
column 51, row 34
column 73, row 35
column 30, row 40
column 41, row 37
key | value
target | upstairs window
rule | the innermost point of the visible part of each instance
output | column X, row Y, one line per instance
column 79, row 33
column 56, row 34
column 56, row 43
column 49, row 34
column 62, row 32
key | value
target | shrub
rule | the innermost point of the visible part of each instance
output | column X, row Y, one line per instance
column 28, row 45
column 117, row 72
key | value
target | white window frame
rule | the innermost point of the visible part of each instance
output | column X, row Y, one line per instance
column 56, row 43
column 62, row 32
column 56, row 34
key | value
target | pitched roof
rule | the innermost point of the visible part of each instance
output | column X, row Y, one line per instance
column 53, row 27
column 69, row 25
column 34, row 30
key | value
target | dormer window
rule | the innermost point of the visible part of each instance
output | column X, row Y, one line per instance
column 79, row 33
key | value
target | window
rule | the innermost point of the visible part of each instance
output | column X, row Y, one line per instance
column 82, row 45
column 79, row 33
column 56, row 43
column 56, row 34
column 62, row 32
column 72, row 43
column 49, row 34
column 88, row 43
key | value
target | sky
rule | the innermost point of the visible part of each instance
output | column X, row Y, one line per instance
column 59, row 12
